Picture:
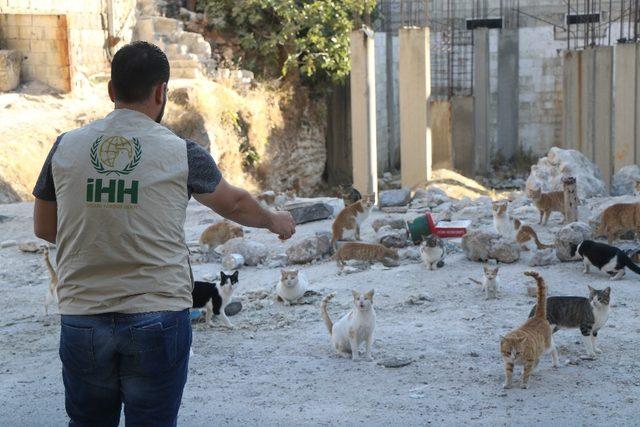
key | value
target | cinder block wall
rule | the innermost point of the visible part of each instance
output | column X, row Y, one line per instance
column 36, row 28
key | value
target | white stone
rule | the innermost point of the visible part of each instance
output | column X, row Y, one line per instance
column 310, row 249
column 571, row 234
column 232, row 262
column 432, row 196
column 624, row 181
column 550, row 170
column 542, row 257
column 481, row 245
column 8, row 244
column 254, row 253
column 400, row 197
column 392, row 237
column 389, row 221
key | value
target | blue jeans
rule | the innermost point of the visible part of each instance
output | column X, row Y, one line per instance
column 140, row 360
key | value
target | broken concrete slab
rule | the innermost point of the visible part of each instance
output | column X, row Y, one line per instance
column 308, row 212
column 390, row 198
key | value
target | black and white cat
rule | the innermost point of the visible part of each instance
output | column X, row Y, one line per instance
column 587, row 314
column 215, row 298
column 608, row 259
column 432, row 252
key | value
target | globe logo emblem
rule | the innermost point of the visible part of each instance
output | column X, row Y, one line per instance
column 115, row 155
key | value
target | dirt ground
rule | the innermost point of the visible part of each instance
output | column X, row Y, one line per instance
column 278, row 367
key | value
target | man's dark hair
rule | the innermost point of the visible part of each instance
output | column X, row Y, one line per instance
column 136, row 68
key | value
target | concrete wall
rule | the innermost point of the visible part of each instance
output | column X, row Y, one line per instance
column 87, row 32
column 627, row 105
column 481, row 102
column 462, row 134
column 440, row 124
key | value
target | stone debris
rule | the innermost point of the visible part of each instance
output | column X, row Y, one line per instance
column 253, row 252
column 232, row 262
column 573, row 233
column 310, row 249
column 397, row 223
column 30, row 247
column 389, row 198
column 432, row 197
column 624, row 181
column 418, row 299
column 10, row 66
column 540, row 258
column 8, row 244
column 392, row 237
column 482, row 245
column 549, row 171
column 395, row 362
column 309, row 211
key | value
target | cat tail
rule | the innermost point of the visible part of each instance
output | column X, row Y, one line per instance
column 52, row 272
column 541, row 245
column 541, row 303
column 517, row 224
column 628, row 263
column 325, row 314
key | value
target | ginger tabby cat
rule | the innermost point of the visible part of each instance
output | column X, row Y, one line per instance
column 531, row 340
column 618, row 219
column 547, row 203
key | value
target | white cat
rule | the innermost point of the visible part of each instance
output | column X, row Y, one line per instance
column 292, row 286
column 490, row 281
column 501, row 221
column 432, row 252
column 353, row 328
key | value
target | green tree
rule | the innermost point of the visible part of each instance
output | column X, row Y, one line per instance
column 281, row 36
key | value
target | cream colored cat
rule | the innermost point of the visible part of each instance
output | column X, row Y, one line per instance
column 501, row 220
column 355, row 327
column 291, row 287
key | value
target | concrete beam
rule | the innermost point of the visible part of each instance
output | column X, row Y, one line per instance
column 363, row 113
column 508, row 83
column 626, row 103
column 571, row 136
column 588, row 102
column 462, row 134
column 603, row 88
column 481, row 99
column 415, row 90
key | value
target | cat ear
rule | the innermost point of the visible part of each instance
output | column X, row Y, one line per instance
column 355, row 294
column 223, row 276
column 235, row 275
column 607, row 291
column 369, row 295
column 591, row 290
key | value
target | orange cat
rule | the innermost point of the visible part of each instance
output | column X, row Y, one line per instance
column 547, row 203
column 346, row 226
column 527, row 237
column 217, row 234
column 531, row 340
column 369, row 252
column 618, row 219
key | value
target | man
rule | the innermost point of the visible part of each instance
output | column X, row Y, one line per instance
column 113, row 196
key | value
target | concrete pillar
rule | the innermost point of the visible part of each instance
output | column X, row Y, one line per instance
column 382, row 112
column 481, row 99
column 440, row 125
column 415, row 90
column 603, row 88
column 462, row 134
column 363, row 113
column 627, row 117
column 571, row 100
column 508, row 82
column 588, row 102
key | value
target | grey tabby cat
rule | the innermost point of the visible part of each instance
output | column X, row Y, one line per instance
column 432, row 252
column 587, row 314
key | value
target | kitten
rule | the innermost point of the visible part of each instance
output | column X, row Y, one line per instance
column 354, row 327
column 432, row 252
column 527, row 238
column 501, row 221
column 587, row 314
column 608, row 259
column 490, row 280
column 346, row 226
column 531, row 340
column 369, row 252
column 218, row 234
column 547, row 203
column 215, row 298
column 618, row 219
column 291, row 287
column 52, row 295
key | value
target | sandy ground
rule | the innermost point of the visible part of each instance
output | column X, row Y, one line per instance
column 278, row 367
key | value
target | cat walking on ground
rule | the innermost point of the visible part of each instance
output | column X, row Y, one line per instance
column 547, row 203
column 587, row 314
column 526, row 344
column 608, row 259
column 354, row 328
column 618, row 219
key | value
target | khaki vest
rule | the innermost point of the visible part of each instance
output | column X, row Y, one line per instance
column 121, row 189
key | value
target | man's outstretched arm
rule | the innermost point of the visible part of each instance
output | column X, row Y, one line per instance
column 237, row 205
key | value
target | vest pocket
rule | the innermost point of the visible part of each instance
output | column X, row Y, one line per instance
column 76, row 348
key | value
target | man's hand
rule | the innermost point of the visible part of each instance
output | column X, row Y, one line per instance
column 282, row 224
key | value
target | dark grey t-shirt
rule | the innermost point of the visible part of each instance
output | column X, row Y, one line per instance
column 204, row 175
